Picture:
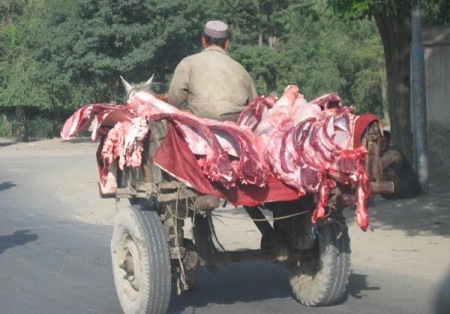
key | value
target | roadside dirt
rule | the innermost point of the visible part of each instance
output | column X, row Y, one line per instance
column 410, row 237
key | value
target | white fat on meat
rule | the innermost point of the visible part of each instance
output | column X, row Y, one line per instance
column 303, row 110
column 276, row 120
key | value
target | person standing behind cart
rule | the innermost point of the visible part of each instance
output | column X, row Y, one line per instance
column 397, row 168
column 210, row 84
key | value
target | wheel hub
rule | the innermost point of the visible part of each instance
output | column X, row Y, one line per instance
column 130, row 263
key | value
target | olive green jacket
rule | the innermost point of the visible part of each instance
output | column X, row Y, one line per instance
column 211, row 85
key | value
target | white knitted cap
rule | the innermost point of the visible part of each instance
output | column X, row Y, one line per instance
column 216, row 29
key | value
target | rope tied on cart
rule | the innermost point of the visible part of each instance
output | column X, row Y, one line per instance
column 190, row 203
column 266, row 219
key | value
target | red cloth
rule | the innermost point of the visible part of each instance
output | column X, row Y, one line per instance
column 175, row 157
column 361, row 123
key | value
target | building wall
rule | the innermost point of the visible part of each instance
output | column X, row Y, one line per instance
column 436, row 41
column 437, row 73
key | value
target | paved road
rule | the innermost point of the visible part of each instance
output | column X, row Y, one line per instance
column 53, row 263
column 49, row 263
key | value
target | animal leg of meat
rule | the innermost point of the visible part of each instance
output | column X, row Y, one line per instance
column 255, row 110
column 319, row 211
column 363, row 192
column 251, row 168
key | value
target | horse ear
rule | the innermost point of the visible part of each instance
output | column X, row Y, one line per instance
column 150, row 80
column 126, row 85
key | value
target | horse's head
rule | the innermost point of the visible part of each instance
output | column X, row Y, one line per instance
column 133, row 89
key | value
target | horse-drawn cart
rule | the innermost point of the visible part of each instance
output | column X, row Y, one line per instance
column 162, row 179
column 149, row 249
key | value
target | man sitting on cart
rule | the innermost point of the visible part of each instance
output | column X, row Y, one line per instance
column 210, row 84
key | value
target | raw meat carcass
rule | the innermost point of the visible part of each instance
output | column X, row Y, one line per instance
column 304, row 153
column 306, row 145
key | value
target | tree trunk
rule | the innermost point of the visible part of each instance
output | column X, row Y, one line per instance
column 395, row 32
column 161, row 86
column 270, row 78
column 21, row 125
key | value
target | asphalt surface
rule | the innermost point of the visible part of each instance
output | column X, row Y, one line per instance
column 52, row 262
column 49, row 263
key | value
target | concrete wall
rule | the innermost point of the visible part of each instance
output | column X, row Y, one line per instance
column 436, row 41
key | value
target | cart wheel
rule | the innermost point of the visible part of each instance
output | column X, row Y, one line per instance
column 141, row 263
column 322, row 276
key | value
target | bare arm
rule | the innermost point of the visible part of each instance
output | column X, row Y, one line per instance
column 390, row 157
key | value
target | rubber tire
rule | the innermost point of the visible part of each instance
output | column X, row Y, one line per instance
column 140, row 236
column 322, row 277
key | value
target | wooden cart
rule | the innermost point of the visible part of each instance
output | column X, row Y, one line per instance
column 150, row 252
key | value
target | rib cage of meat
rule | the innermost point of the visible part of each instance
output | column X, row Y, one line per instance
column 306, row 145
column 304, row 154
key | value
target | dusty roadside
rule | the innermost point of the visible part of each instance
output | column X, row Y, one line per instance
column 74, row 181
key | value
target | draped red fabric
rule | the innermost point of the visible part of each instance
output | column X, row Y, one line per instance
column 175, row 157
column 361, row 124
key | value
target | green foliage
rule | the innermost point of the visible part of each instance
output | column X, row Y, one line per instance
column 40, row 127
column 57, row 55
column 19, row 71
column 435, row 12
column 319, row 54
column 81, row 45
column 10, row 9
column 5, row 126
column 88, row 42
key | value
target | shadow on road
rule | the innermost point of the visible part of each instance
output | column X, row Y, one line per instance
column 252, row 282
column 20, row 237
column 6, row 142
column 244, row 282
column 84, row 137
column 357, row 284
column 6, row 185
column 427, row 214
